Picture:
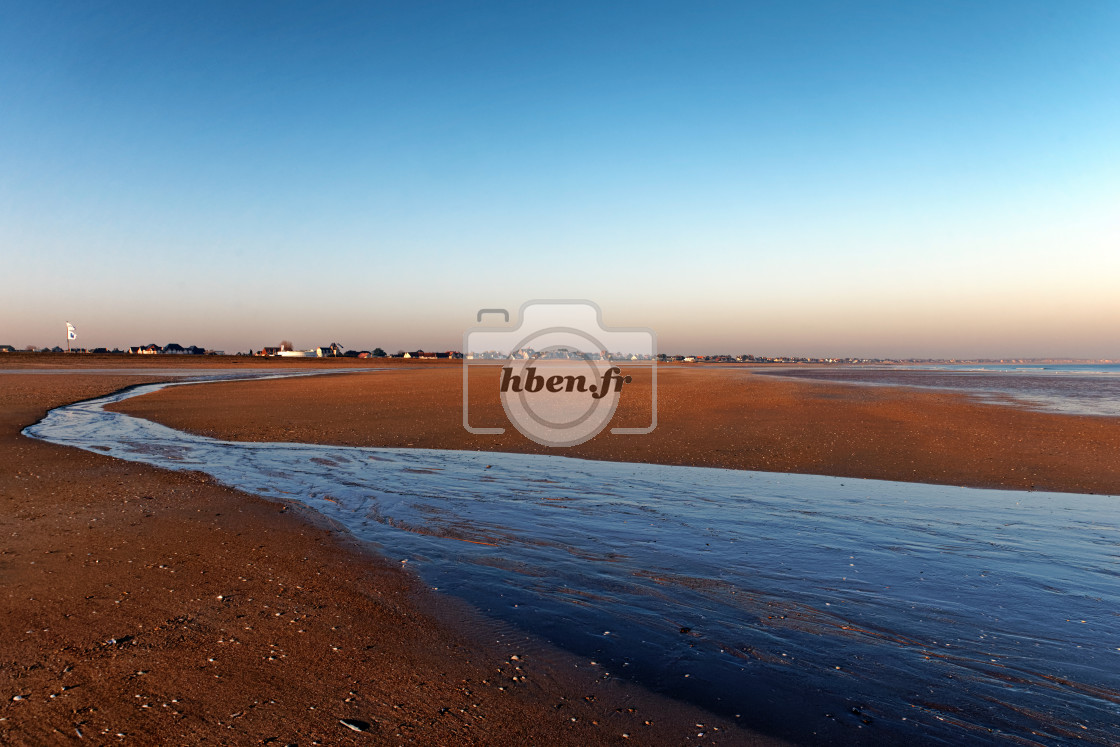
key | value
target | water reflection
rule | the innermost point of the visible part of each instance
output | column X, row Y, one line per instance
column 817, row 608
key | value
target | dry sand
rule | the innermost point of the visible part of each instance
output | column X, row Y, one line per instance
column 168, row 609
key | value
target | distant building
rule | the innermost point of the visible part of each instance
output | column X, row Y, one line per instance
column 329, row 351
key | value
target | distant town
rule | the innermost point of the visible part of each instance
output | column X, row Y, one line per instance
column 335, row 350
column 283, row 350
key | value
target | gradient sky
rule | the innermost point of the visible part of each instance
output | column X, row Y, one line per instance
column 872, row 179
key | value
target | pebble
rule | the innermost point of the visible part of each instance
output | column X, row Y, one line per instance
column 354, row 724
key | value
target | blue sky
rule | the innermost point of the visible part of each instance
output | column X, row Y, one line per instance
column 918, row 179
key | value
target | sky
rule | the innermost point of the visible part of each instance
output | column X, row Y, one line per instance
column 927, row 179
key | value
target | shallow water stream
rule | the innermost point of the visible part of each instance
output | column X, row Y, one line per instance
column 816, row 608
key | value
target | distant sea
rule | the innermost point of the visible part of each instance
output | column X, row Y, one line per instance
column 1073, row 388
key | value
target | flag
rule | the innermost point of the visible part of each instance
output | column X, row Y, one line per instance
column 71, row 332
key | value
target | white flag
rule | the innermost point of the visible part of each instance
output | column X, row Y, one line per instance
column 71, row 332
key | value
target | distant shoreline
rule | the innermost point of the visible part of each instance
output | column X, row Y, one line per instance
column 763, row 361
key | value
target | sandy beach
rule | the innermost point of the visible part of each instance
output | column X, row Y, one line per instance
column 145, row 606
column 165, row 607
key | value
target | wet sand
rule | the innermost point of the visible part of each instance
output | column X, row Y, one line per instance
column 112, row 571
column 168, row 609
column 707, row 416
